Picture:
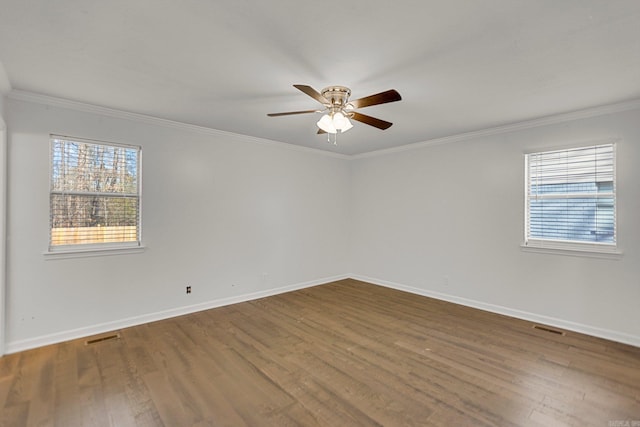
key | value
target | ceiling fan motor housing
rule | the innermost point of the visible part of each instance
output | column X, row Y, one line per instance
column 338, row 96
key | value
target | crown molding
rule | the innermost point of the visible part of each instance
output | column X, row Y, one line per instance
column 21, row 95
column 513, row 127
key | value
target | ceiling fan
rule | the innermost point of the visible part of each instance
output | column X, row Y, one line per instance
column 338, row 109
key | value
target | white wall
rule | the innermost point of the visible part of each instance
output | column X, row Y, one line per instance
column 3, row 193
column 219, row 211
column 447, row 221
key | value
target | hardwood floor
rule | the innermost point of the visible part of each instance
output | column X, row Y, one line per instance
column 342, row 354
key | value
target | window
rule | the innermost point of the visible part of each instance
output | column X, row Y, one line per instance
column 94, row 195
column 571, row 199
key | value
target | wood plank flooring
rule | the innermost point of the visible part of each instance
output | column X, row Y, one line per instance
column 343, row 354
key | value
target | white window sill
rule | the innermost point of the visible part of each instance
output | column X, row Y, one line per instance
column 572, row 249
column 92, row 252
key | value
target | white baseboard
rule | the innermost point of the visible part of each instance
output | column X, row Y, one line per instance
column 524, row 315
column 30, row 343
column 27, row 344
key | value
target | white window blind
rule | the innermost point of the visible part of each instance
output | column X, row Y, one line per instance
column 570, row 196
column 94, row 194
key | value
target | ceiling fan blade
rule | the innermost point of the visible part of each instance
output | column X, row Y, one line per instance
column 312, row 93
column 289, row 113
column 379, row 98
column 371, row 121
column 320, row 132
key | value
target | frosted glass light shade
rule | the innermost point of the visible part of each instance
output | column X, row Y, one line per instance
column 341, row 123
column 326, row 124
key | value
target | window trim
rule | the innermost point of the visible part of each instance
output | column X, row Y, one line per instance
column 560, row 247
column 76, row 252
column 97, row 249
column 571, row 247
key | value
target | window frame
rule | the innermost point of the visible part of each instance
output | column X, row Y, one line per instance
column 95, row 249
column 571, row 247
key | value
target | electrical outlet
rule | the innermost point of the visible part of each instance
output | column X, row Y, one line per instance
column 189, row 289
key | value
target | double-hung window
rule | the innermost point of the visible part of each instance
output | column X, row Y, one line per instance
column 571, row 199
column 94, row 195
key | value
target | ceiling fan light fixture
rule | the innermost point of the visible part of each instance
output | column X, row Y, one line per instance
column 326, row 124
column 341, row 122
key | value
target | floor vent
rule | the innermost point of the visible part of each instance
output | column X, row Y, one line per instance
column 547, row 329
column 102, row 339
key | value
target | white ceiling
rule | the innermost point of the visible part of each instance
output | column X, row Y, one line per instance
column 460, row 65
